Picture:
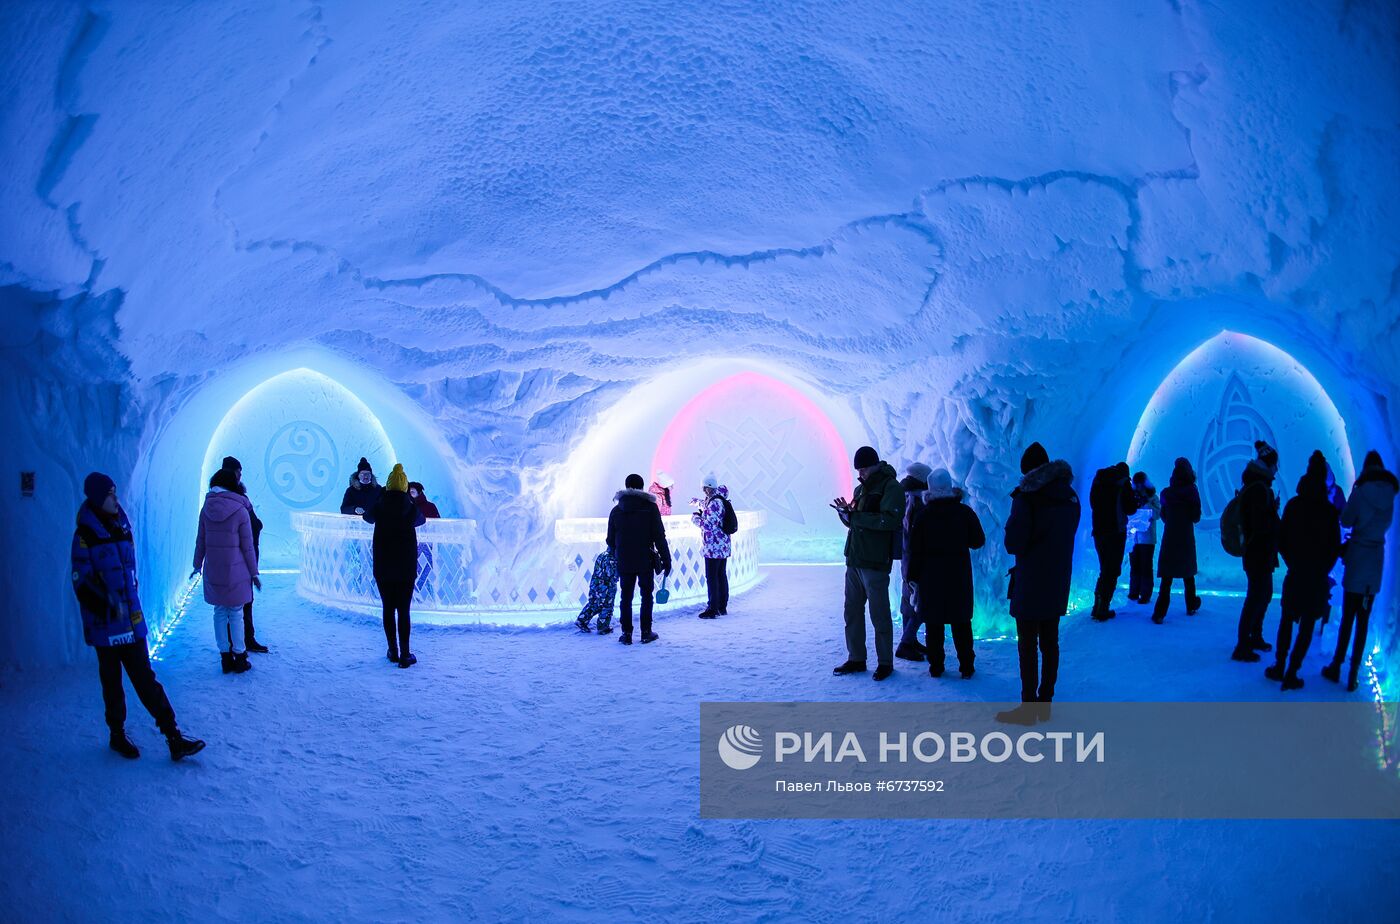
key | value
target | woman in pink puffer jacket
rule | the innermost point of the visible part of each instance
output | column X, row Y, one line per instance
column 224, row 551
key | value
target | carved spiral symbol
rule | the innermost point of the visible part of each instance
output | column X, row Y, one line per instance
column 301, row 463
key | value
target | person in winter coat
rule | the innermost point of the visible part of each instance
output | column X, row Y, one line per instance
column 939, row 565
column 396, row 519
column 1310, row 539
column 104, row 581
column 250, row 641
column 717, row 546
column 420, row 500
column 661, row 490
column 914, row 483
column 363, row 492
column 1040, row 535
column 874, row 519
column 1111, row 500
column 1368, row 514
column 223, row 551
column 1181, row 511
column 637, row 538
column 1260, row 522
column 1142, row 538
column 425, row 550
column 602, row 593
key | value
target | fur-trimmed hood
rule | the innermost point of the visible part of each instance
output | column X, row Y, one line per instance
column 1374, row 475
column 634, row 493
column 1044, row 475
column 934, row 494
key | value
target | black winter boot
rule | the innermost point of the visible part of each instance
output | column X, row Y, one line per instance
column 1292, row 681
column 182, row 747
column 883, row 672
column 256, row 646
column 241, row 664
column 226, row 658
column 909, row 651
column 408, row 659
column 1024, row 714
column 1244, row 653
column 1274, row 672
column 849, row 667
column 122, row 744
column 625, row 638
column 649, row 637
column 1333, row 672
column 582, row 623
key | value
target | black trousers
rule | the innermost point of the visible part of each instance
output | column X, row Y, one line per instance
column 1356, row 610
column 962, row 643
column 1140, row 572
column 1110, row 551
column 1306, row 621
column 248, row 622
column 1038, row 675
column 137, row 661
column 717, row 583
column 396, row 597
column 1164, row 595
column 630, row 582
column 1257, row 595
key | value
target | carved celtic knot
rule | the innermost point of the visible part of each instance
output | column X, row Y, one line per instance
column 1227, row 447
column 757, row 464
column 301, row 463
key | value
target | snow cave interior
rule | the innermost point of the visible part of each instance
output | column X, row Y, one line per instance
column 527, row 248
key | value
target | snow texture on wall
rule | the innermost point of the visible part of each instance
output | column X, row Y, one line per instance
column 965, row 225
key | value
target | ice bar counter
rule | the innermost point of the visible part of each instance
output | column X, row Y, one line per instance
column 545, row 584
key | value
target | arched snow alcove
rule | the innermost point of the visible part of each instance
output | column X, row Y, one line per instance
column 1228, row 392
column 299, row 423
column 780, row 445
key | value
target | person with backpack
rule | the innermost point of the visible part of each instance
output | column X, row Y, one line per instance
column 873, row 518
column 914, row 483
column 250, row 640
column 717, row 521
column 637, row 538
column 396, row 518
column 104, row 581
column 1249, row 529
column 1368, row 514
column 223, row 551
column 1142, row 536
column 1110, row 501
column 938, row 560
column 1181, row 511
column 1310, row 539
column 602, row 594
column 1040, row 533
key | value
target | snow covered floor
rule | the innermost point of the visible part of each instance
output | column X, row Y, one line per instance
column 544, row 775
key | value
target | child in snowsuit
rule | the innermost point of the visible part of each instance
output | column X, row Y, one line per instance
column 602, row 592
column 1142, row 539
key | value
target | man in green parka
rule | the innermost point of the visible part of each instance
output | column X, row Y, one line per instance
column 874, row 518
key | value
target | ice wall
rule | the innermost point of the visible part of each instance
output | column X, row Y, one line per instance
column 966, row 226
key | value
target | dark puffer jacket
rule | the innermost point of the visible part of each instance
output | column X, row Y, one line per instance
column 396, row 519
column 876, row 521
column 1111, row 501
column 635, row 533
column 104, row 579
column 1259, row 518
column 939, row 557
column 1040, row 533
column 1310, row 539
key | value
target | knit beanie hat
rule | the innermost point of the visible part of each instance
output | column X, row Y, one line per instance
column 1266, row 453
column 866, row 456
column 940, row 480
column 634, row 483
column 919, row 471
column 364, row 465
column 224, row 479
column 398, row 481
column 232, row 464
column 711, row 481
column 1373, row 460
column 96, row 487
column 1034, row 457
